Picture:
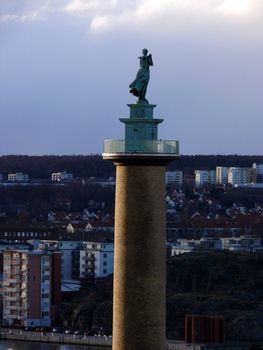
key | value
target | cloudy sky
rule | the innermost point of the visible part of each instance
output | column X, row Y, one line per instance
column 65, row 67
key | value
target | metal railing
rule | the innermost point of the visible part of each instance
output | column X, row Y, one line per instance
column 142, row 146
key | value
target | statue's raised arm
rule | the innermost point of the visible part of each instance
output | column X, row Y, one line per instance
column 139, row 86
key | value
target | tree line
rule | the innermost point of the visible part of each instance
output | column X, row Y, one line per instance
column 85, row 166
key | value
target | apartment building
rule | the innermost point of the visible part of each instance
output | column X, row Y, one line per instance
column 203, row 177
column 96, row 259
column 174, row 178
column 240, row 176
column 18, row 177
column 31, row 287
column 242, row 243
column 221, row 175
column 259, row 171
column 184, row 246
column 67, row 249
column 62, row 176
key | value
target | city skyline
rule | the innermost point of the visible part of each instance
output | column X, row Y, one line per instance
column 66, row 66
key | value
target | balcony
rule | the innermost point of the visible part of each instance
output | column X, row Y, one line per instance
column 23, row 268
column 14, row 307
column 168, row 147
column 90, row 258
column 13, row 288
column 9, row 298
column 23, row 285
column 16, row 317
column 15, row 261
column 11, row 280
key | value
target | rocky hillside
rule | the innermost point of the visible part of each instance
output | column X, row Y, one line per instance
column 223, row 283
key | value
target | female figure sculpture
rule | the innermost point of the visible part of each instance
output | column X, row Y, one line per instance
column 139, row 86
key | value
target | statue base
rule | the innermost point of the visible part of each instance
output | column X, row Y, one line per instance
column 141, row 129
column 141, row 110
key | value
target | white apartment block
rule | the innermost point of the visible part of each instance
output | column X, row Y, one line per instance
column 18, row 177
column 183, row 246
column 243, row 243
column 221, row 175
column 27, row 288
column 240, row 176
column 96, row 259
column 203, row 177
column 174, row 177
column 259, row 169
column 62, row 176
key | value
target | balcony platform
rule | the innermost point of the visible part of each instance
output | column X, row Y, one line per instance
column 146, row 151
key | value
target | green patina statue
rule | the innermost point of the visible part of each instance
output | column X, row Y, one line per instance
column 139, row 86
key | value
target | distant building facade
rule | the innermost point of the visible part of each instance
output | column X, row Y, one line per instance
column 23, row 234
column 259, row 168
column 259, row 172
column 243, row 243
column 203, row 177
column 221, row 175
column 18, row 177
column 174, row 178
column 62, row 176
column 240, row 176
column 96, row 259
column 184, row 246
column 67, row 249
column 31, row 287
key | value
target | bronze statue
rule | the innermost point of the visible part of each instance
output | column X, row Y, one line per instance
column 139, row 86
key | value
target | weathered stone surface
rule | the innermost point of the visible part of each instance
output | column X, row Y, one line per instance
column 139, row 267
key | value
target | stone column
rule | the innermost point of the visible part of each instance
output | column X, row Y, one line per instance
column 139, row 260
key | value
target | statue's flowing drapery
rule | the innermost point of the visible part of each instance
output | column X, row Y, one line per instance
column 139, row 86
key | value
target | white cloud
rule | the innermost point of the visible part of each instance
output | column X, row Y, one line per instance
column 8, row 18
column 237, row 7
column 103, row 15
column 81, row 7
column 168, row 15
column 27, row 11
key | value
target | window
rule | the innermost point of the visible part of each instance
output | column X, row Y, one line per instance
column 45, row 278
column 104, row 271
column 45, row 314
column 45, row 295
column 104, row 255
column 105, row 263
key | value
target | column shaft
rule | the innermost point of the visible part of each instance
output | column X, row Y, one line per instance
column 139, row 260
